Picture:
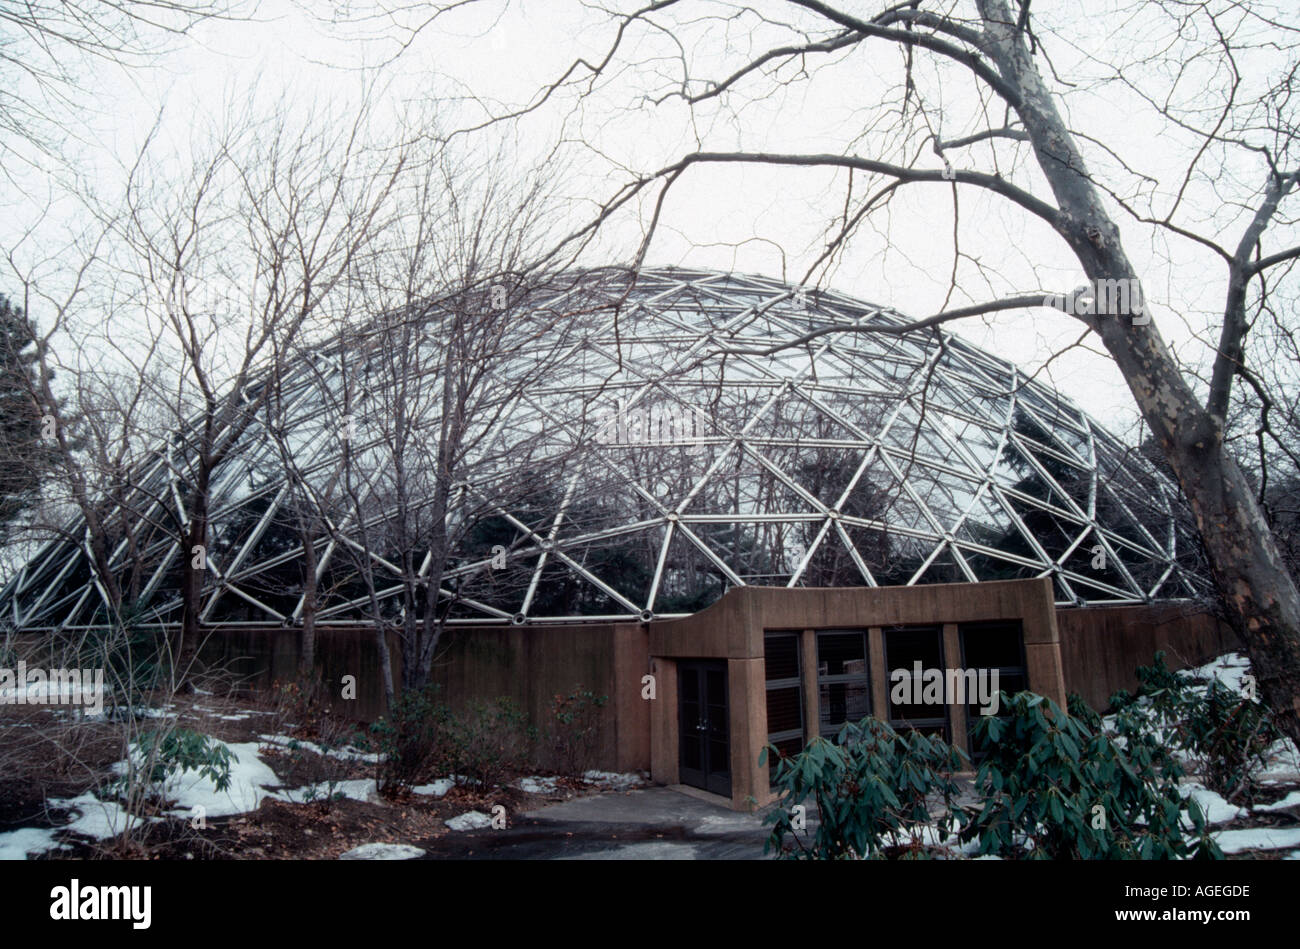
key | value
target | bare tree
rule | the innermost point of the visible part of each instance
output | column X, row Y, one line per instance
column 304, row 201
column 47, row 45
column 457, row 325
column 94, row 391
column 1012, row 140
column 188, row 296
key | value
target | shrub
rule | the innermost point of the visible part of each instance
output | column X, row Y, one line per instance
column 1229, row 736
column 1081, row 710
column 302, row 704
column 870, row 787
column 182, row 749
column 1054, row 788
column 411, row 740
column 134, row 657
column 575, row 728
column 1224, row 733
column 1051, row 787
column 490, row 739
column 1158, row 678
column 158, row 755
column 321, row 769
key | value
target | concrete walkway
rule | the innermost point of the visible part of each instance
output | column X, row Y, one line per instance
column 656, row 823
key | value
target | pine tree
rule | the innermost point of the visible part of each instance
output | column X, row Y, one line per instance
column 25, row 457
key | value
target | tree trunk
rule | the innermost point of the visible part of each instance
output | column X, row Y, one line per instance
column 307, row 655
column 185, row 648
column 1259, row 594
column 385, row 665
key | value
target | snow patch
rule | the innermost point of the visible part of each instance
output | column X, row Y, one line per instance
column 17, row 844
column 93, row 817
column 1283, row 762
column 249, row 779
column 188, row 790
column 347, row 753
column 360, row 789
column 535, row 785
column 1213, row 806
column 1291, row 800
column 1258, row 838
column 1228, row 669
column 473, row 820
column 726, row 823
column 610, row 779
column 377, row 851
column 436, row 789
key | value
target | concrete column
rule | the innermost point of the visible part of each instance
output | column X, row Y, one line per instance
column 747, row 693
column 632, row 714
column 1043, row 662
column 811, row 699
column 663, row 723
column 879, row 674
column 956, row 712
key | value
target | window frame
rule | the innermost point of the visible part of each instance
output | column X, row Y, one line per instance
column 972, row 712
column 863, row 678
column 928, row 725
column 789, row 682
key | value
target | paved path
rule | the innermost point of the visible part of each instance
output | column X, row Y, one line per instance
column 648, row 824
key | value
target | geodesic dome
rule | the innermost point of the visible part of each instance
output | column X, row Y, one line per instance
column 649, row 444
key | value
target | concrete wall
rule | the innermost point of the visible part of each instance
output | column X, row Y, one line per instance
column 1092, row 651
column 1102, row 646
column 256, row 657
column 529, row 664
column 533, row 664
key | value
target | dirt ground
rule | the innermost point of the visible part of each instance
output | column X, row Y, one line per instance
column 279, row 830
column 45, row 756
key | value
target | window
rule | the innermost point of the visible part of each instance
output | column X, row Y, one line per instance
column 784, row 692
column 905, row 648
column 986, row 647
column 843, row 679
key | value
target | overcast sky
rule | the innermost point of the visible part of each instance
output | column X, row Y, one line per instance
column 495, row 55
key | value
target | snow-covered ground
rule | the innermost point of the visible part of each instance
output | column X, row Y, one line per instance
column 1214, row 807
column 437, row 788
column 533, row 785
column 360, row 789
column 192, row 796
column 614, row 780
column 473, row 820
column 347, row 753
column 1258, row 838
column 196, row 794
column 1291, row 800
column 18, row 844
column 378, row 851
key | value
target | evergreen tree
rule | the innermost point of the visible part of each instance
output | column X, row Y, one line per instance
column 25, row 456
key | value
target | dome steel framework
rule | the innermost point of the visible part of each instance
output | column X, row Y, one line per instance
column 663, row 457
